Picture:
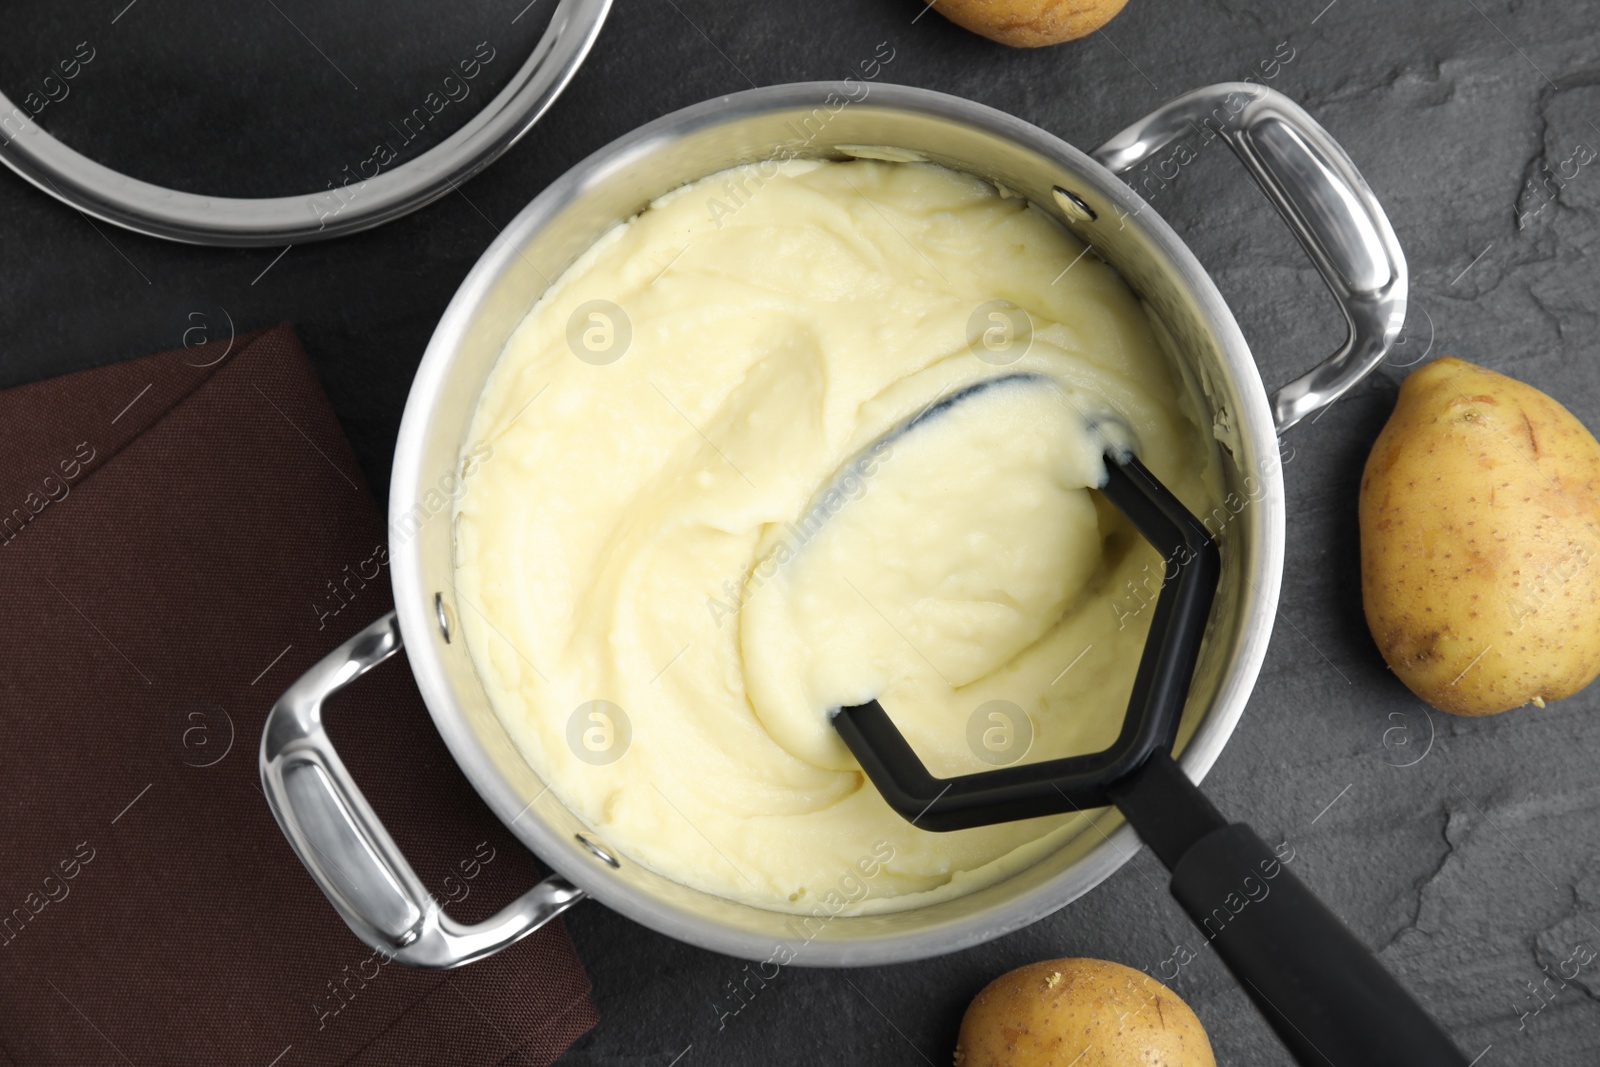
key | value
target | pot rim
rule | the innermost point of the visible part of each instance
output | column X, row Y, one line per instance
column 1253, row 423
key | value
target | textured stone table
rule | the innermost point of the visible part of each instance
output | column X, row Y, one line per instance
column 1465, row 851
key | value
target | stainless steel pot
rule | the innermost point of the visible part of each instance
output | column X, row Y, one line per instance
column 1306, row 175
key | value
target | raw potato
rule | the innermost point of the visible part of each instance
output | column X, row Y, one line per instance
column 1087, row 1013
column 1480, row 542
column 1030, row 23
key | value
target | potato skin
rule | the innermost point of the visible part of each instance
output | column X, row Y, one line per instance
column 1480, row 542
column 1087, row 1013
column 1030, row 23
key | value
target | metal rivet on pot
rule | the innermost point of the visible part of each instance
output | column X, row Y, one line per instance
column 599, row 853
column 1073, row 205
column 443, row 613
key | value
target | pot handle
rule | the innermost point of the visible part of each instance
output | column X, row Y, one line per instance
column 338, row 837
column 1325, row 201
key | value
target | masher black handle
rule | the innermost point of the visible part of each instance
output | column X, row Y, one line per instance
column 1328, row 998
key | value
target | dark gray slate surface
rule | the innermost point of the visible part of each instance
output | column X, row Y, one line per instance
column 1469, row 869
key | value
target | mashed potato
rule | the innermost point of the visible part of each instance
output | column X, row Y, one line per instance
column 712, row 514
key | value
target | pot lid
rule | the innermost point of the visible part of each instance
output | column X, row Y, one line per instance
column 391, row 175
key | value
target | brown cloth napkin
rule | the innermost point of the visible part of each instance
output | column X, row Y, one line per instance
column 180, row 538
